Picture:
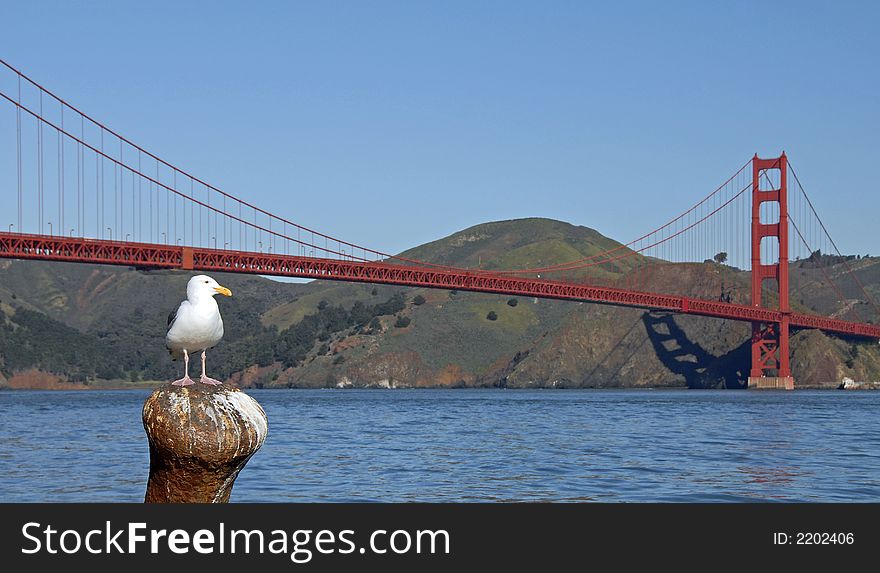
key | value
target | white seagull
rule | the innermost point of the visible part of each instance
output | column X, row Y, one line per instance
column 196, row 325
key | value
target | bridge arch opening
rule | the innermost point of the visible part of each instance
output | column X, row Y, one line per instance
column 769, row 250
column 769, row 213
column 769, row 179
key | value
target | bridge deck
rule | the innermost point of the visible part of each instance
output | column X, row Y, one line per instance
column 55, row 248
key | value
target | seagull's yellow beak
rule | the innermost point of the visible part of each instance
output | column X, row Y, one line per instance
column 223, row 290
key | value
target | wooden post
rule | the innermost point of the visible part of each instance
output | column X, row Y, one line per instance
column 200, row 438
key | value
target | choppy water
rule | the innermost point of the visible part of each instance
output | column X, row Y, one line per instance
column 473, row 445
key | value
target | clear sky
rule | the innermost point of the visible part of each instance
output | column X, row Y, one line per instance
column 391, row 124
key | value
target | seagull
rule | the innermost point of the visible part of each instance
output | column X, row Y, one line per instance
column 196, row 325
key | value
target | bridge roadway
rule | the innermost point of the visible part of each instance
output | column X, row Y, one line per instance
column 157, row 256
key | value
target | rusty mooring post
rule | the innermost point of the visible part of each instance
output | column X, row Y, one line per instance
column 200, row 437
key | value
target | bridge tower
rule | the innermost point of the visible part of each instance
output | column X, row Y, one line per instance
column 770, row 349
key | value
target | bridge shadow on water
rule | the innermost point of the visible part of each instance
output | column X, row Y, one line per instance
column 686, row 358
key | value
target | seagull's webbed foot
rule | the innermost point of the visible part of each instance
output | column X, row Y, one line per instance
column 185, row 381
column 209, row 381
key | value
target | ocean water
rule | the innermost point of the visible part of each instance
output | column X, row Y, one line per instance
column 473, row 445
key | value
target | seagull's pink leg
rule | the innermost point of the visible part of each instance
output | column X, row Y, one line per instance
column 205, row 379
column 186, row 380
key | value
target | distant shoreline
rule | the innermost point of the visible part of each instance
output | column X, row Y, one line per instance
column 153, row 385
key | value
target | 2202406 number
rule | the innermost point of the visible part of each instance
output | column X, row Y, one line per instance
column 825, row 538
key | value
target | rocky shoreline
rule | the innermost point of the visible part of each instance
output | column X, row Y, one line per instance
column 850, row 384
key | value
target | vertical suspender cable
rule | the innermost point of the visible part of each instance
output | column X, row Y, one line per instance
column 18, row 150
column 116, row 174
column 98, row 229
column 101, row 200
column 58, row 141
column 79, row 178
column 121, row 193
column 40, row 168
column 61, row 141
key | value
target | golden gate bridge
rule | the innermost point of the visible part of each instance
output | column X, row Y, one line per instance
column 73, row 189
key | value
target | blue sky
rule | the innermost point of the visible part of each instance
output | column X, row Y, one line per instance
column 391, row 124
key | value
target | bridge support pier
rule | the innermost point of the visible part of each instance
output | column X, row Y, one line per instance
column 771, row 383
column 770, row 348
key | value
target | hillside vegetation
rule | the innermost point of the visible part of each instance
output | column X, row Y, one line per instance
column 72, row 325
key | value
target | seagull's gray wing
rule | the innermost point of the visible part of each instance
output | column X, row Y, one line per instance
column 172, row 316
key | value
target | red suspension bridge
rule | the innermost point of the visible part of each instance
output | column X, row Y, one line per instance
column 73, row 189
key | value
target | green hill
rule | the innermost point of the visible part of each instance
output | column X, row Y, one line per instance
column 523, row 244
